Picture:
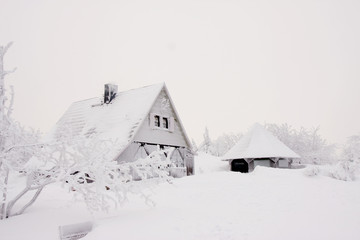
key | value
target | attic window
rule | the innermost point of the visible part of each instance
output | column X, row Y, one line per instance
column 157, row 121
column 165, row 123
column 161, row 122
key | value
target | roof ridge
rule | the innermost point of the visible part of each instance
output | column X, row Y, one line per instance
column 132, row 89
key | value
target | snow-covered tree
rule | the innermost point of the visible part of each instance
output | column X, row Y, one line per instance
column 17, row 145
column 206, row 144
column 307, row 143
column 194, row 146
column 351, row 150
column 223, row 143
column 349, row 165
column 220, row 145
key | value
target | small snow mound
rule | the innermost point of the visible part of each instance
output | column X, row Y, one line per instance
column 311, row 171
column 266, row 171
column 206, row 163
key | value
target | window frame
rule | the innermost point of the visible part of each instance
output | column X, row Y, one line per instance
column 161, row 118
column 157, row 122
column 165, row 121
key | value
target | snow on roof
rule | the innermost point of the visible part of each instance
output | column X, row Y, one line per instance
column 259, row 143
column 117, row 121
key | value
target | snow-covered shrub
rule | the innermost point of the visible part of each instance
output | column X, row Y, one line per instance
column 351, row 150
column 344, row 170
column 156, row 165
column 311, row 171
column 95, row 178
column 349, row 166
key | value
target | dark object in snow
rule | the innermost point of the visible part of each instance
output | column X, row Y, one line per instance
column 110, row 92
column 239, row 165
column 75, row 231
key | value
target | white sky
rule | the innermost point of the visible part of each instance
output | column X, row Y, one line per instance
column 227, row 64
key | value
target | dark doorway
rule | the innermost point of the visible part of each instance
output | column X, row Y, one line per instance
column 239, row 165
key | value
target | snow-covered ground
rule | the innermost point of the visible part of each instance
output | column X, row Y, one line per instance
column 214, row 204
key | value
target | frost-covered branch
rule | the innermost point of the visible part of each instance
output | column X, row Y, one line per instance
column 3, row 49
column 104, row 183
column 17, row 146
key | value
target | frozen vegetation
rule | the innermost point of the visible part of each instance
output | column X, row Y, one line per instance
column 214, row 204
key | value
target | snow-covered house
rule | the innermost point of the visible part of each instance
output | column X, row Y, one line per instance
column 259, row 147
column 139, row 121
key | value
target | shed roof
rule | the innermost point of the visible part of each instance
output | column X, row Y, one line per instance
column 259, row 143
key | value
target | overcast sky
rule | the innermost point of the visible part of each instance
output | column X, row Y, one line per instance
column 227, row 64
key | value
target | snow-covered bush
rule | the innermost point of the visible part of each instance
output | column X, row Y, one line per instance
column 351, row 150
column 349, row 165
column 93, row 175
column 343, row 170
column 311, row 171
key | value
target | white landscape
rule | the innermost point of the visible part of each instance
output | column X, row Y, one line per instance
column 214, row 204
column 181, row 120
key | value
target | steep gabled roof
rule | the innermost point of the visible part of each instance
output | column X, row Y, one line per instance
column 118, row 121
column 259, row 143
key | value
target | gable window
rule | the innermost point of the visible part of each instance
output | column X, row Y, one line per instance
column 157, row 121
column 165, row 123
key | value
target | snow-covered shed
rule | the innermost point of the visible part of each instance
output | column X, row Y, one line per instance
column 259, row 147
column 139, row 121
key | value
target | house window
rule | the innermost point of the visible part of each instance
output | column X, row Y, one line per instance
column 161, row 122
column 165, row 123
column 157, row 121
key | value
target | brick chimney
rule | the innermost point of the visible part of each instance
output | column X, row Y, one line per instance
column 110, row 92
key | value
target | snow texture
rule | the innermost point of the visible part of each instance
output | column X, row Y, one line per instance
column 268, row 203
column 259, row 143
